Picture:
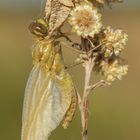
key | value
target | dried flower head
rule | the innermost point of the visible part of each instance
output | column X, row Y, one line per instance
column 100, row 1
column 108, row 1
column 85, row 20
column 115, row 40
column 105, row 1
column 113, row 70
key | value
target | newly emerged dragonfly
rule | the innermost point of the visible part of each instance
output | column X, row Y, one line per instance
column 50, row 95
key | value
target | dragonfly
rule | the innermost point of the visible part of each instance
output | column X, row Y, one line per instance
column 50, row 94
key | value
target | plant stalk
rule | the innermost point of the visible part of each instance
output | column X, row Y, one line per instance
column 88, row 65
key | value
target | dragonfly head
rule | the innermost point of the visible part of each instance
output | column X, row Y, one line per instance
column 39, row 28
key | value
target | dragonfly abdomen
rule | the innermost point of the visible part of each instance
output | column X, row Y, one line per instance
column 71, row 111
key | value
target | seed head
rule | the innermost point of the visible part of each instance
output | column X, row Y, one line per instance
column 85, row 20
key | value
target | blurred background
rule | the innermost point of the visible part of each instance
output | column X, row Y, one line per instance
column 114, row 111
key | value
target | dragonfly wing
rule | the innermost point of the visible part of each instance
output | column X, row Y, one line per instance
column 58, row 15
column 67, row 3
column 47, row 98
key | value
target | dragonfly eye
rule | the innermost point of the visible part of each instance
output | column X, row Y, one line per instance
column 39, row 28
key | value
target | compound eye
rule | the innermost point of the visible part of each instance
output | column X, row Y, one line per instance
column 38, row 29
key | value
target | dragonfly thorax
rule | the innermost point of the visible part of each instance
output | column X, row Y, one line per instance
column 46, row 55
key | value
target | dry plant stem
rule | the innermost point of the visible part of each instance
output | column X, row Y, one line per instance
column 88, row 65
column 73, row 65
column 72, row 48
column 101, row 83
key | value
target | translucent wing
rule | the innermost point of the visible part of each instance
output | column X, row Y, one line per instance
column 47, row 99
column 67, row 2
column 57, row 12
